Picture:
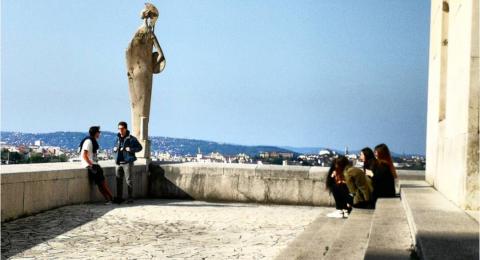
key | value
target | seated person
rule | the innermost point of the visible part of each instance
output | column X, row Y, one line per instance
column 384, row 173
column 359, row 185
column 335, row 183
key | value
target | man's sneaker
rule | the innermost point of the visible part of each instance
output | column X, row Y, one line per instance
column 336, row 214
column 108, row 203
column 345, row 213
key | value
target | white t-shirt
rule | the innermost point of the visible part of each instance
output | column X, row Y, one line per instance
column 88, row 146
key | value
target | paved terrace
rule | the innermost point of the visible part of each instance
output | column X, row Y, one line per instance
column 158, row 229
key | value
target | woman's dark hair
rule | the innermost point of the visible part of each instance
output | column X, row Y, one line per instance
column 93, row 130
column 124, row 124
column 340, row 164
column 383, row 154
column 369, row 159
column 330, row 181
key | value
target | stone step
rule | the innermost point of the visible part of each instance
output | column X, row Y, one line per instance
column 439, row 228
column 352, row 241
column 315, row 241
column 390, row 236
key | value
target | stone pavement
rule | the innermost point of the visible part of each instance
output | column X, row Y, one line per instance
column 159, row 229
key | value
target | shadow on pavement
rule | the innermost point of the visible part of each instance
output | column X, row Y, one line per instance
column 24, row 233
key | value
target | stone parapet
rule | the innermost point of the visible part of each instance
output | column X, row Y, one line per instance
column 32, row 188
column 273, row 184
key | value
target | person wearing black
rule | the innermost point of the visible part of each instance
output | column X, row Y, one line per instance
column 125, row 148
column 385, row 172
column 380, row 174
column 88, row 156
column 335, row 183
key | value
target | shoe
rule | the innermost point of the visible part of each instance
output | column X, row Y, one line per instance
column 345, row 213
column 349, row 209
column 108, row 203
column 129, row 201
column 336, row 214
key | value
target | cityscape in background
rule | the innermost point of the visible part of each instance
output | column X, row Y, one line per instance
column 19, row 148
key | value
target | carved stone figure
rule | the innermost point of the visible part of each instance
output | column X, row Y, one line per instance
column 142, row 63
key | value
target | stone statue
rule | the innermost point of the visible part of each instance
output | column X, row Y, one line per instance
column 142, row 63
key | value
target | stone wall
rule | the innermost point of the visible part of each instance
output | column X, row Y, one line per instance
column 296, row 185
column 32, row 188
column 273, row 184
column 453, row 102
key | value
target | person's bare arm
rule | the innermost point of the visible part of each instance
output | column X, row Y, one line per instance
column 85, row 157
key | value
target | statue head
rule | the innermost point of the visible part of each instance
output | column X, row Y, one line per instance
column 149, row 14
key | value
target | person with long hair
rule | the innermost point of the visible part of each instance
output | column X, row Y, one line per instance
column 359, row 185
column 335, row 183
column 382, row 153
column 368, row 158
column 384, row 173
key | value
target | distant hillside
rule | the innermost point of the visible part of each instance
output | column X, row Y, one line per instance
column 70, row 140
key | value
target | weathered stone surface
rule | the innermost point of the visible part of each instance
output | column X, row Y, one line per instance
column 453, row 102
column 158, row 229
column 12, row 200
column 390, row 236
column 27, row 189
column 278, row 171
column 243, row 182
column 352, row 241
column 439, row 228
column 142, row 63
column 315, row 241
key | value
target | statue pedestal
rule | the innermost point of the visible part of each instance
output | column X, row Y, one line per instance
column 143, row 157
column 145, row 152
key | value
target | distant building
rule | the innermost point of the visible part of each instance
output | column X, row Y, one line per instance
column 274, row 155
column 217, row 157
column 324, row 152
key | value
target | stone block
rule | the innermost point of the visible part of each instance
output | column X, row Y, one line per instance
column 221, row 187
column 284, row 172
column 12, row 200
column 244, row 170
column 318, row 173
column 252, row 189
column 282, row 191
column 320, row 195
column 78, row 190
column 305, row 192
column 43, row 195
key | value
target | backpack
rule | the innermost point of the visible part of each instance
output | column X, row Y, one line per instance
column 79, row 149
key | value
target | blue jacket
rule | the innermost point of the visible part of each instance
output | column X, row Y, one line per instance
column 128, row 141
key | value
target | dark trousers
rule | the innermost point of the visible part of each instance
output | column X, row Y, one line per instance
column 95, row 174
column 341, row 196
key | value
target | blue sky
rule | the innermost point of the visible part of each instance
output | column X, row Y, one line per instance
column 287, row 73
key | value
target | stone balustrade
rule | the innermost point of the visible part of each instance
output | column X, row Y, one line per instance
column 273, row 184
column 31, row 188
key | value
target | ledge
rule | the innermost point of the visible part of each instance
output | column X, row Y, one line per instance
column 32, row 188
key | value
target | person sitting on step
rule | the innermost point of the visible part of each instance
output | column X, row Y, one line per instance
column 335, row 183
